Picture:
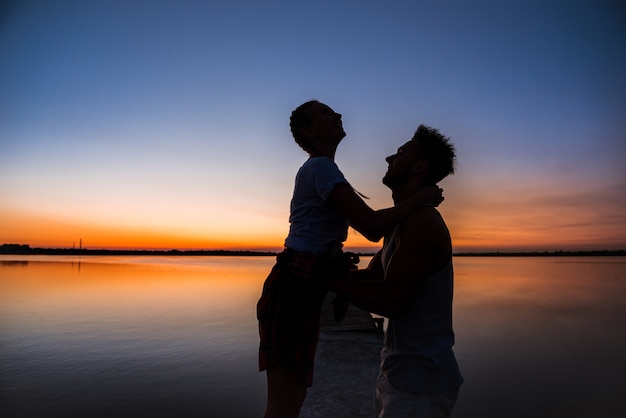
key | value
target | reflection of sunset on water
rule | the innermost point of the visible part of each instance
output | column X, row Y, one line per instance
column 493, row 276
column 144, row 293
column 101, row 335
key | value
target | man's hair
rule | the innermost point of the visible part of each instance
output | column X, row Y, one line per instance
column 438, row 150
column 301, row 118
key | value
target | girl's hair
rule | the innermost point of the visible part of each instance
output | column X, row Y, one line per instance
column 300, row 118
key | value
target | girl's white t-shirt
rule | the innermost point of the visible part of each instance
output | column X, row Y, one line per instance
column 315, row 226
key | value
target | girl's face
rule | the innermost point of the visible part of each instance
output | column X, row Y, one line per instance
column 325, row 123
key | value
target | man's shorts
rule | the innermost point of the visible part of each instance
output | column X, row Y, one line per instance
column 391, row 402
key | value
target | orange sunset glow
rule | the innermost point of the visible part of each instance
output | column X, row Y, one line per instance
column 471, row 231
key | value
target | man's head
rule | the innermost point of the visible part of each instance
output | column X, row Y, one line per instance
column 428, row 158
column 314, row 121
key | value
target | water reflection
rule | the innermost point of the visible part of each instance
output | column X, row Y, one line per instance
column 176, row 336
column 23, row 263
column 117, row 334
column 535, row 335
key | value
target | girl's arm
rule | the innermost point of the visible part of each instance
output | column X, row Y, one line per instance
column 374, row 224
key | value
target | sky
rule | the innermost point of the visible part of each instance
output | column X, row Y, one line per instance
column 165, row 124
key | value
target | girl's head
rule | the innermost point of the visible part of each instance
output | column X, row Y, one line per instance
column 314, row 123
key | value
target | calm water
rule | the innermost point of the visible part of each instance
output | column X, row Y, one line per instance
column 177, row 336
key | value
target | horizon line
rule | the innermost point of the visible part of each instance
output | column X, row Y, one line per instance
column 26, row 249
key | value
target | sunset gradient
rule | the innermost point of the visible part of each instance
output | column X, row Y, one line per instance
column 162, row 125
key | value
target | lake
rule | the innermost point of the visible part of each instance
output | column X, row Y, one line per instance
column 176, row 336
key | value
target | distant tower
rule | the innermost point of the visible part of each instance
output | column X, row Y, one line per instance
column 80, row 245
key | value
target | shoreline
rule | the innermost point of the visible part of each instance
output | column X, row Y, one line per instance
column 24, row 249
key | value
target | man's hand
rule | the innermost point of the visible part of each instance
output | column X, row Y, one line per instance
column 429, row 195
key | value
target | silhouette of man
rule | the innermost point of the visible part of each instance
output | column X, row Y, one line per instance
column 410, row 281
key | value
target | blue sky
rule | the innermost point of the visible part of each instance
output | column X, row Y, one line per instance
column 165, row 123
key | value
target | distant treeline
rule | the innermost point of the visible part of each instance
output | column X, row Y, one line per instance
column 590, row 253
column 26, row 249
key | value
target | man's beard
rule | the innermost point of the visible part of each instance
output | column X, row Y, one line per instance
column 392, row 181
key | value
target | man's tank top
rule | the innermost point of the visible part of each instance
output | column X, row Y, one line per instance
column 417, row 355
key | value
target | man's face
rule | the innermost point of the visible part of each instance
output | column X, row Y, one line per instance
column 400, row 165
column 325, row 122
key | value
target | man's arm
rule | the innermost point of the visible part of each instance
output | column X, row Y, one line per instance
column 374, row 224
column 422, row 248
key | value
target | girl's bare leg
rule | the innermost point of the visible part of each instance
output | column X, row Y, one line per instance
column 284, row 400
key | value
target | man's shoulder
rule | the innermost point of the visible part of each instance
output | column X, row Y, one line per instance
column 426, row 226
column 425, row 215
